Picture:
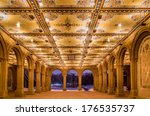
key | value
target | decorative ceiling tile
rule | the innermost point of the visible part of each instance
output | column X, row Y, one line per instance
column 23, row 23
column 67, row 23
column 127, row 3
column 13, row 3
column 118, row 23
column 66, row 3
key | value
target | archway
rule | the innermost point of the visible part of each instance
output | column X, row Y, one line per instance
column 3, row 68
column 87, row 80
column 72, row 80
column 144, row 68
column 140, row 46
column 29, row 75
column 15, row 61
column 57, row 80
column 12, row 73
column 123, row 72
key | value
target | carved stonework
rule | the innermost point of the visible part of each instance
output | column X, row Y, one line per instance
column 144, row 64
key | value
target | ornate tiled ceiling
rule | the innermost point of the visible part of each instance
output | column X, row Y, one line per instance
column 71, row 32
column 127, row 3
column 66, row 3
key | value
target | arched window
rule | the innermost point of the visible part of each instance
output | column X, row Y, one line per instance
column 72, row 80
column 87, row 80
column 57, row 80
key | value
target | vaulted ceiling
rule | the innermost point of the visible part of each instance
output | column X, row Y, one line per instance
column 71, row 32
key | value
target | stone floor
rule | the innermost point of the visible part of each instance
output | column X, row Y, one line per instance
column 70, row 95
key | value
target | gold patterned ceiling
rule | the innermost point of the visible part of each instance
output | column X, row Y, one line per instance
column 71, row 32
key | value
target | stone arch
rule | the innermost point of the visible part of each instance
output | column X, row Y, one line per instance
column 120, row 70
column 56, row 69
column 3, row 48
column 3, row 68
column 30, row 61
column 111, row 60
column 30, row 69
column 19, row 70
column 121, row 53
column 72, row 79
column 87, row 68
column 72, row 69
column 137, row 42
column 87, row 80
column 57, row 79
column 19, row 54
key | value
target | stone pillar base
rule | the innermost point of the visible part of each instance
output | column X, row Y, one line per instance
column 38, row 91
column 47, row 89
column 100, row 90
column 30, row 92
column 19, row 93
column 120, row 93
column 111, row 91
column 4, row 94
column 43, row 89
column 104, row 90
column 133, row 94
column 79, row 89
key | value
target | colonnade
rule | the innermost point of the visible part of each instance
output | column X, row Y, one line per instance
column 103, row 74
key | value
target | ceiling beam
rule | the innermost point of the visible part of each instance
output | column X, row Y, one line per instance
column 68, row 34
column 69, row 10
column 42, row 22
column 70, row 47
column 91, row 27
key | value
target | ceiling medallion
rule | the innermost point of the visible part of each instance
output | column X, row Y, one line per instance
column 67, row 24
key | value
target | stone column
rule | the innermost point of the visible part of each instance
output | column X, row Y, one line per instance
column 43, row 80
column 38, row 81
column 31, row 81
column 104, row 79
column 20, row 81
column 79, row 80
column 64, row 80
column 100, row 86
column 3, row 78
column 133, row 78
column 111, row 80
column 48, row 80
column 96, row 78
column 120, row 91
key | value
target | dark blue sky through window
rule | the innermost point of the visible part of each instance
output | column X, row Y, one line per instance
column 70, row 72
column 56, row 72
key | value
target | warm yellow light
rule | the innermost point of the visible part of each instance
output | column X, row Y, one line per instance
column 40, row 4
column 119, row 25
column 18, row 25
